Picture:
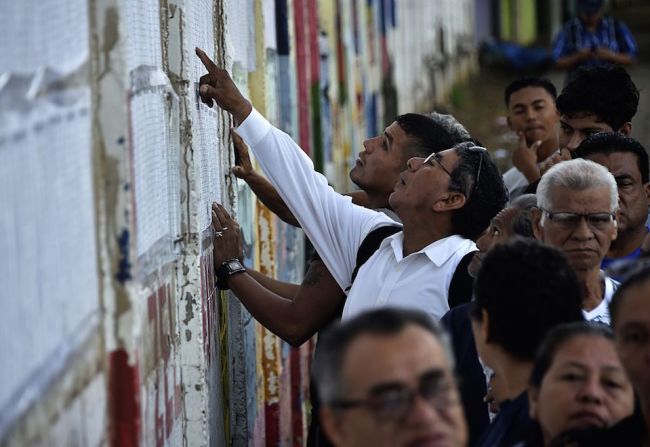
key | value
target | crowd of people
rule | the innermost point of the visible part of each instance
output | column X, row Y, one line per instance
column 455, row 305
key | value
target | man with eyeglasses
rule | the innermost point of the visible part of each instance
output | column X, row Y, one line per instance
column 577, row 202
column 444, row 202
column 386, row 379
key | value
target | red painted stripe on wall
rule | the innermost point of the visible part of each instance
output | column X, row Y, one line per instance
column 124, row 404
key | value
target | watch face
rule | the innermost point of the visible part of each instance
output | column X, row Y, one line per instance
column 234, row 264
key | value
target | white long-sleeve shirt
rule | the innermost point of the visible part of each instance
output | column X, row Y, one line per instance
column 336, row 227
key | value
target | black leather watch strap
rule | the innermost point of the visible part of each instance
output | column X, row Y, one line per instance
column 226, row 270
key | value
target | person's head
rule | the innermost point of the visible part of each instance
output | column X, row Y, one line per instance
column 577, row 202
column 590, row 12
column 531, row 109
column 598, row 99
column 630, row 313
column 462, row 183
column 514, row 220
column 378, row 167
column 385, row 378
column 523, row 289
column 578, row 381
column 627, row 160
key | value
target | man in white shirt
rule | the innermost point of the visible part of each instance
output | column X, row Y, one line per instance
column 532, row 115
column 577, row 202
column 443, row 201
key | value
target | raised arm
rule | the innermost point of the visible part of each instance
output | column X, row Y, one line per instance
column 334, row 225
column 316, row 302
column 262, row 188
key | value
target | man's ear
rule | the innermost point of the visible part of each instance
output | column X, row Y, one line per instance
column 536, row 217
column 450, row 201
column 626, row 129
column 331, row 422
column 646, row 187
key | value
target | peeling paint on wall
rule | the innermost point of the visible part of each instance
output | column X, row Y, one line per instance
column 108, row 201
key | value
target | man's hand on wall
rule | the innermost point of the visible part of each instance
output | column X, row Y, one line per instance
column 217, row 85
column 244, row 168
column 227, row 243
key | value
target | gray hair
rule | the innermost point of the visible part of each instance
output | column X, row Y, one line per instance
column 577, row 175
column 334, row 343
column 450, row 125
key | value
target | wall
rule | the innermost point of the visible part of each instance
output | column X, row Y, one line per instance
column 113, row 330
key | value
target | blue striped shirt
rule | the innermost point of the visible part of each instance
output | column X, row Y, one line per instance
column 611, row 33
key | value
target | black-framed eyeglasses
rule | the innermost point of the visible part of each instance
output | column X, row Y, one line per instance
column 394, row 401
column 568, row 220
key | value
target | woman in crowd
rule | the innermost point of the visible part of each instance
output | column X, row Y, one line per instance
column 577, row 384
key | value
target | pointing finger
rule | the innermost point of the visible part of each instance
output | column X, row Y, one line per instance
column 207, row 62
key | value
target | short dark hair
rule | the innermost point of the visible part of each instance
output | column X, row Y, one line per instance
column 612, row 142
column 522, row 224
column 483, row 200
column 633, row 280
column 526, row 288
column 335, row 341
column 521, row 83
column 605, row 91
column 432, row 133
column 558, row 337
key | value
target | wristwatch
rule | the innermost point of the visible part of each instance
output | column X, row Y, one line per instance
column 226, row 270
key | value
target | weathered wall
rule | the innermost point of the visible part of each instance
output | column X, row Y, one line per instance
column 113, row 331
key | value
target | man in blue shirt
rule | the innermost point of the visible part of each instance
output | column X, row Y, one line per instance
column 593, row 38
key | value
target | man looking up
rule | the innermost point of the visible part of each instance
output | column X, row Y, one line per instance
column 577, row 202
column 378, row 166
column 532, row 115
column 443, row 201
column 289, row 309
column 386, row 379
column 627, row 160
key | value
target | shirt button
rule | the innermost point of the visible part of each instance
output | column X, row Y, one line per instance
column 381, row 300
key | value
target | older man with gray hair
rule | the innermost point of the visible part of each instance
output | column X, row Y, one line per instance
column 386, row 378
column 577, row 202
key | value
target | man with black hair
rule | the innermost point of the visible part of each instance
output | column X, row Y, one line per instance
column 386, row 379
column 593, row 38
column 513, row 221
column 627, row 160
column 296, row 312
column 532, row 115
column 598, row 99
column 523, row 289
column 444, row 201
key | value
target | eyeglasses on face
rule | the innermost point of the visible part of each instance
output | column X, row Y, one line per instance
column 435, row 157
column 599, row 221
column 394, row 401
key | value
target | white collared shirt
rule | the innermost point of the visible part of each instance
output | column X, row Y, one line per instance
column 600, row 313
column 418, row 281
column 336, row 227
